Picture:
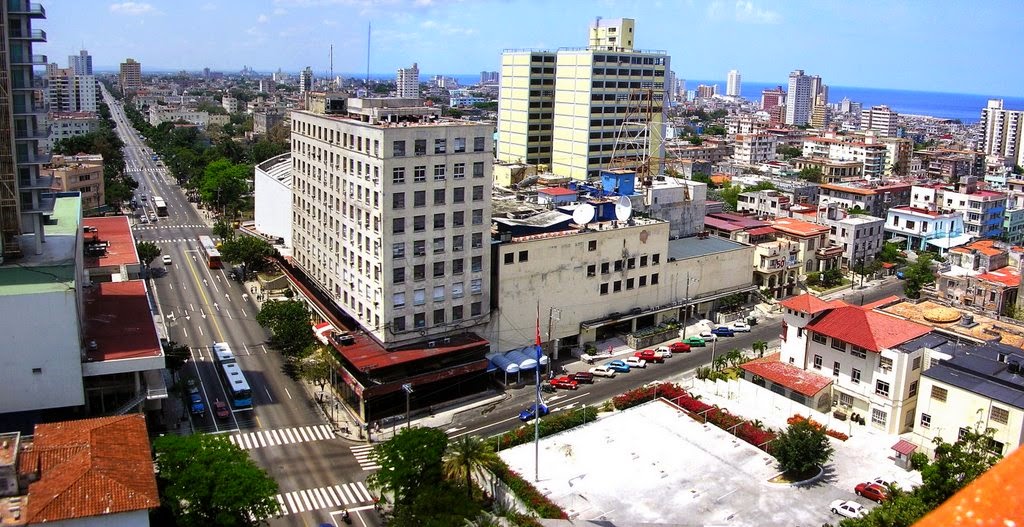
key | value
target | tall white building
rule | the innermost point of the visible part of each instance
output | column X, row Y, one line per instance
column 408, row 82
column 306, row 80
column 732, row 84
column 69, row 92
column 391, row 216
column 80, row 64
column 881, row 119
column 1002, row 129
column 799, row 99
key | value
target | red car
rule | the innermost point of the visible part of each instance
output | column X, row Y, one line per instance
column 565, row 383
column 220, row 409
column 679, row 347
column 649, row 356
column 872, row 491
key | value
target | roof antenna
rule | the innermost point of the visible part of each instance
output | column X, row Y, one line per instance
column 332, row 64
column 368, row 27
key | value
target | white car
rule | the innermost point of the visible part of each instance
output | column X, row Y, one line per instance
column 740, row 327
column 708, row 336
column 848, row 509
column 663, row 352
column 167, row 259
column 634, row 362
column 601, row 371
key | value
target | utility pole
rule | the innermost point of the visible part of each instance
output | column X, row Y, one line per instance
column 553, row 314
column 408, row 418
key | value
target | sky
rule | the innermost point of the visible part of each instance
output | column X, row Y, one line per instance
column 929, row 45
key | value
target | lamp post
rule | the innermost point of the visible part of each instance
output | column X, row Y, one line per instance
column 408, row 418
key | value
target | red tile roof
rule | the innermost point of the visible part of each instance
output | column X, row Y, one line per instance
column 1007, row 276
column 800, row 381
column 799, row 227
column 904, row 447
column 115, row 231
column 118, row 318
column 868, row 329
column 996, row 498
column 89, row 468
column 557, row 191
column 808, row 303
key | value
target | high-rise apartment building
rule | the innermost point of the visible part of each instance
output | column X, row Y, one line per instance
column 130, row 78
column 732, row 84
column 67, row 91
column 306, row 80
column 799, row 99
column 392, row 215
column 707, row 91
column 407, row 82
column 489, row 77
column 21, row 127
column 1002, row 129
column 772, row 98
column 81, row 64
column 621, row 117
column 880, row 119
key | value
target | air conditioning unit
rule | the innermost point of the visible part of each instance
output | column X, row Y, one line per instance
column 432, row 344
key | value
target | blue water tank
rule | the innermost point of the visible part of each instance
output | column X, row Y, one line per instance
column 618, row 182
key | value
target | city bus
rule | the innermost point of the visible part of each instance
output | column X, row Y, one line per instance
column 237, row 387
column 160, row 206
column 210, row 252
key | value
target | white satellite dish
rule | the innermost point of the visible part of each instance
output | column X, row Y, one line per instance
column 583, row 214
column 623, row 209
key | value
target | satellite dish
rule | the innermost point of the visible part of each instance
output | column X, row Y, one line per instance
column 623, row 209
column 583, row 214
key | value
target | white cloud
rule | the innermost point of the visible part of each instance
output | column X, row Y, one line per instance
column 280, row 11
column 742, row 11
column 262, row 19
column 446, row 28
column 132, row 8
column 209, row 6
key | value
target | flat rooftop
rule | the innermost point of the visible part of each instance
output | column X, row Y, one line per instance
column 978, row 369
column 118, row 318
column 121, row 243
column 693, row 247
column 984, row 329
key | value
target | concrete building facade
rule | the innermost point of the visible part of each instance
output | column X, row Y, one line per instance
column 754, row 149
column 799, row 99
column 879, row 119
column 130, row 78
column 407, row 82
column 273, row 197
column 79, row 173
column 732, row 84
column 81, row 64
column 1002, row 131
column 526, row 104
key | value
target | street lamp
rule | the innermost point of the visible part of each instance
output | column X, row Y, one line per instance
column 408, row 418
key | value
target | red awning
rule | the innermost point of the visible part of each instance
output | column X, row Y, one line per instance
column 904, row 447
column 321, row 330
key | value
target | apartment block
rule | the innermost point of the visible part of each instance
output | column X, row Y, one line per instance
column 80, row 64
column 879, row 119
column 130, row 78
column 859, row 235
column 799, row 99
column 407, row 82
column 832, row 171
column 1002, row 131
column 870, row 152
column 815, row 251
column 64, row 125
column 526, row 105
column 392, row 204
column 78, row 173
column 871, row 197
column 70, row 92
column 979, row 275
column 232, row 105
column 754, row 149
column 983, row 210
column 732, row 84
column 918, row 229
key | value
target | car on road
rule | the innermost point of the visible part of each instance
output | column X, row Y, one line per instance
column 565, row 383
column 144, row 197
column 634, row 362
column 618, row 366
column 143, row 219
column 723, row 331
column 848, row 509
column 695, row 342
column 740, row 326
column 664, row 351
column 679, row 347
column 192, row 386
column 152, row 216
column 196, row 405
column 872, row 491
column 531, row 412
column 167, row 259
column 582, row 377
column 602, row 371
column 220, row 409
column 708, row 336
column 649, row 356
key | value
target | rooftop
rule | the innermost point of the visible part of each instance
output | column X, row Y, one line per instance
column 808, row 303
column 801, row 381
column 694, row 247
column 799, row 227
column 117, row 316
column 278, row 167
column 89, row 468
column 978, row 369
column 986, row 247
column 557, row 191
column 1007, row 276
column 924, row 212
column 868, row 329
column 115, row 231
column 982, row 328
column 865, row 188
column 745, row 222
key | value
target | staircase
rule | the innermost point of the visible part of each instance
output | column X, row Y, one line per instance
column 132, row 403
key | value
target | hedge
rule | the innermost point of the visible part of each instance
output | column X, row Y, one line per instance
column 529, row 494
column 550, row 425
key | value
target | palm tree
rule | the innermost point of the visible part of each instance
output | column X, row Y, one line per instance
column 760, row 347
column 734, row 357
column 467, row 455
column 719, row 362
column 484, row 519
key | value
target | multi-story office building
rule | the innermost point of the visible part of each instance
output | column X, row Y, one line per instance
column 407, row 82
column 1002, row 131
column 80, row 64
column 799, row 99
column 391, row 211
column 70, row 92
column 130, row 78
column 306, row 80
column 65, row 125
column 732, row 84
column 622, row 117
column 754, row 149
column 879, row 119
column 81, row 173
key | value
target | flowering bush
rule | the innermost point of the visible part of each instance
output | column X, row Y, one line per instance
column 797, row 418
column 647, row 393
column 529, row 494
column 552, row 424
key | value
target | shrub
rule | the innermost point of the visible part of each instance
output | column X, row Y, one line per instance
column 529, row 494
column 797, row 418
column 647, row 393
column 918, row 460
column 549, row 425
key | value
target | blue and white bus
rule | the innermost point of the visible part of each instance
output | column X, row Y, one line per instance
column 237, row 387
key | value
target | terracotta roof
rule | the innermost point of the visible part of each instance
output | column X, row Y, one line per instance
column 996, row 498
column 800, row 381
column 89, row 468
column 557, row 191
column 1007, row 276
column 868, row 329
column 808, row 303
column 119, row 320
column 986, row 247
column 799, row 227
column 904, row 447
column 115, row 231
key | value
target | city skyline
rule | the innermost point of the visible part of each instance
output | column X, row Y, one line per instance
column 226, row 35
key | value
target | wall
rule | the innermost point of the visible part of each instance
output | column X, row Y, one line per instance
column 124, row 519
column 273, row 207
column 963, row 408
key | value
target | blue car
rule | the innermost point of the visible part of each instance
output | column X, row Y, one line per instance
column 531, row 412
column 196, row 404
column 723, row 331
column 618, row 365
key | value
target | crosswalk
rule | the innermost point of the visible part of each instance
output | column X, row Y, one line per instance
column 158, row 225
column 364, row 456
column 282, row 436
column 331, row 496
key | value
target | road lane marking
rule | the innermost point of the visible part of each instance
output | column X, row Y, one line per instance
column 287, row 392
column 201, row 329
column 268, row 394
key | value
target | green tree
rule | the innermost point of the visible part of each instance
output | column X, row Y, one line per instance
column 701, row 177
column 466, row 455
column 891, row 253
column 812, row 174
column 316, row 367
column 801, row 448
column 1017, row 169
column 147, row 251
column 223, row 230
column 249, row 251
column 175, row 355
column 288, row 322
column 409, row 462
column 695, row 140
column 438, row 505
column 224, row 183
column 207, row 480
column 714, row 129
column 813, row 278
column 918, row 275
column 831, row 278
column 759, row 347
column 789, row 152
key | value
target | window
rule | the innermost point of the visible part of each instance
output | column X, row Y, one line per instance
column 458, row 242
column 605, row 268
column 419, row 272
column 845, row 399
column 458, row 265
column 397, row 225
column 655, row 259
column 420, row 147
column 419, row 297
column 913, row 389
column 917, row 363
column 439, row 316
column 398, row 175
column 939, row 394
column 419, row 223
column 643, row 281
column 643, row 261
column 459, row 171
column 440, row 146
column 654, row 279
column 592, row 245
column 398, row 149
column 475, row 309
column 419, row 198
column 999, row 415
column 398, row 324
column 476, row 286
column 398, row 250
column 885, row 363
column 478, row 144
column 817, row 362
column 524, row 256
column 477, row 264
column 855, row 376
column 399, row 300
column 439, row 293
column 419, row 247
column 838, row 345
column 510, row 258
column 438, row 245
column 456, row 313
column 439, row 196
column 617, row 265
column 617, row 286
column 835, row 369
column 438, row 269
column 879, row 417
column 459, row 145
column 882, row 388
column 478, row 169
column 478, row 240
column 819, row 338
column 478, row 216
column 926, row 421
column 398, row 275
column 591, row 270
column 398, row 200
column 604, row 288
column 858, row 351
column 439, row 221
column 457, row 290
column 459, row 195
column 419, row 320
column 419, row 174
column 629, row 283
column 439, row 173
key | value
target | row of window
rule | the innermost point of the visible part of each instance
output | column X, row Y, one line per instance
column 419, row 223
column 419, row 296
column 440, row 146
column 419, row 197
column 419, row 271
column 419, row 173
column 629, row 283
column 631, row 59
column 631, row 85
column 419, row 320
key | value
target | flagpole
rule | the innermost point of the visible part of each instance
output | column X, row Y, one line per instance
column 536, row 408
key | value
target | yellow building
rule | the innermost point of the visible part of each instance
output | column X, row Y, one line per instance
column 526, row 106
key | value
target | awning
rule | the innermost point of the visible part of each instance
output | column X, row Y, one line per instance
column 904, row 447
column 322, row 330
column 954, row 241
column 531, row 352
column 504, row 364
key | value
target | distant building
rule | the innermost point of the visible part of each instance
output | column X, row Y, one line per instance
column 914, row 228
column 130, row 78
column 489, row 77
column 79, row 173
column 799, row 99
column 754, row 149
column 80, row 64
column 232, row 105
column 979, row 275
column 870, row 151
column 772, row 97
column 880, row 119
column 982, row 209
column 70, row 124
column 68, row 92
column 732, row 86
column 306, row 80
column 159, row 115
column 1002, row 131
column 263, row 122
column 875, row 199
column 407, row 82
column 707, row 91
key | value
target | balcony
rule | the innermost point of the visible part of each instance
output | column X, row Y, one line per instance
column 41, row 181
column 45, row 206
column 34, row 158
column 29, row 109
column 29, row 60
column 33, row 133
column 826, row 253
column 19, row 7
column 36, row 35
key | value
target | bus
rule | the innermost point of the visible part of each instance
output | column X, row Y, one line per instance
column 210, row 252
column 160, row 206
column 237, row 387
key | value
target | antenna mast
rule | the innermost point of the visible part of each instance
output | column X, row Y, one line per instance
column 332, row 64
column 368, row 26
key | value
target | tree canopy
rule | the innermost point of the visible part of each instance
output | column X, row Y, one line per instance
column 148, row 251
column 467, row 455
column 801, row 448
column 249, row 251
column 224, row 183
column 811, row 174
column 317, row 365
column 891, row 253
column 288, row 322
column 918, row 275
column 117, row 186
column 207, row 480
column 409, row 462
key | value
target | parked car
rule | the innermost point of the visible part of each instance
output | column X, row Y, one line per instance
column 740, row 326
column 143, row 220
column 582, row 377
column 649, row 356
column 618, row 366
column 547, row 387
column 220, row 409
column 708, row 336
column 695, row 342
column 192, row 386
column 167, row 259
column 723, row 331
column 665, row 351
column 634, row 362
column 196, row 405
column 532, row 412
column 872, row 491
column 848, row 509
column 603, row 371
column 679, row 347
column 564, row 383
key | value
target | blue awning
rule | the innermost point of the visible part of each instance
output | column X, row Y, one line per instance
column 524, row 361
column 504, row 364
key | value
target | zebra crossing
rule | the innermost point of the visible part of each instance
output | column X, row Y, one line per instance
column 150, row 227
column 344, row 495
column 364, row 456
column 282, row 436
